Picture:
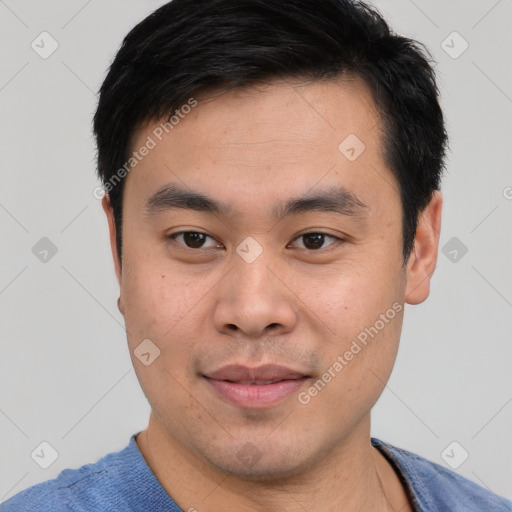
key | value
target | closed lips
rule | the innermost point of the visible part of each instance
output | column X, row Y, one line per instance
column 267, row 374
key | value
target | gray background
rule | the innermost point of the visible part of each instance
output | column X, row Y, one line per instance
column 65, row 373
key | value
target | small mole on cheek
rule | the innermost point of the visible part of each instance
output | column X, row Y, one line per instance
column 163, row 276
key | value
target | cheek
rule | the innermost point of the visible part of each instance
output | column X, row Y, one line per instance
column 160, row 307
column 357, row 365
column 155, row 300
column 352, row 296
column 170, row 307
column 362, row 310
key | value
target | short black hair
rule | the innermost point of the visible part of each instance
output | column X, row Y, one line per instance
column 189, row 46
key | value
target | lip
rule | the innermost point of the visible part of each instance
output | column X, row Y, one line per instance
column 258, row 387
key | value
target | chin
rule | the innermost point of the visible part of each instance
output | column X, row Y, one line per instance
column 269, row 463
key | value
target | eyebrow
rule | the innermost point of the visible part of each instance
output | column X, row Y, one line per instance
column 331, row 200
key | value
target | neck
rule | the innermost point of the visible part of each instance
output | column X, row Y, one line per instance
column 344, row 479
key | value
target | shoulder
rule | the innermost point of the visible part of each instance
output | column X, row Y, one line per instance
column 69, row 491
column 90, row 487
column 434, row 487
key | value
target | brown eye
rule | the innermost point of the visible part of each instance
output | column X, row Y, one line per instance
column 315, row 241
column 192, row 239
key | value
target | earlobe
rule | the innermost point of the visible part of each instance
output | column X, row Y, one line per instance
column 423, row 259
column 107, row 208
column 120, row 305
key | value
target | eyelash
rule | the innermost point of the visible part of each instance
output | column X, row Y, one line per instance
column 337, row 240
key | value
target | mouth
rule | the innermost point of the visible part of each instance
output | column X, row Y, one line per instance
column 254, row 388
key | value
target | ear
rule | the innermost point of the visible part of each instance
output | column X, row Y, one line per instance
column 423, row 258
column 109, row 212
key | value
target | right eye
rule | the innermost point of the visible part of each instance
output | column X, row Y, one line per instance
column 192, row 239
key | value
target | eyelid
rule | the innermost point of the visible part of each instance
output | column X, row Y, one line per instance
column 337, row 240
column 173, row 236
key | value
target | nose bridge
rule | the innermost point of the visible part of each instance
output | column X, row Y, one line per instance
column 251, row 262
column 252, row 281
column 252, row 298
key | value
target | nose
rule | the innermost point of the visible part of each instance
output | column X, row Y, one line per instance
column 255, row 300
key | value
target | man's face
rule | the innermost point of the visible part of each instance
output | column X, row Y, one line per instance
column 245, row 287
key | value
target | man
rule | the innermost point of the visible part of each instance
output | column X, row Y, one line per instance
column 272, row 173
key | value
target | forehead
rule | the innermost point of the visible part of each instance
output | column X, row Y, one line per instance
column 267, row 140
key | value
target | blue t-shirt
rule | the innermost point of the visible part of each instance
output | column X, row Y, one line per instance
column 123, row 482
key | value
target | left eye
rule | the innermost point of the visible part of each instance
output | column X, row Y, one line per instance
column 315, row 241
column 193, row 239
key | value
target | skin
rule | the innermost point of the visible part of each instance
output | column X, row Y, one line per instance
column 294, row 306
